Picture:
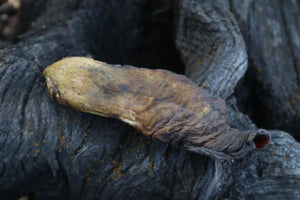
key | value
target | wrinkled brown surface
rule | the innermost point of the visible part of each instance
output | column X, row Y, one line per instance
column 161, row 104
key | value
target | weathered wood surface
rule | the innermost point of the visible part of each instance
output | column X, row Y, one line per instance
column 50, row 151
column 271, row 30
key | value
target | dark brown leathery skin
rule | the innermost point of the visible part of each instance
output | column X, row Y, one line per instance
column 161, row 104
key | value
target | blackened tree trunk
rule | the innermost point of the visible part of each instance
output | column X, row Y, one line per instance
column 50, row 151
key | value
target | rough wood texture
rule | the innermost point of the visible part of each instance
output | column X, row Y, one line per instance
column 211, row 45
column 272, row 32
column 50, row 151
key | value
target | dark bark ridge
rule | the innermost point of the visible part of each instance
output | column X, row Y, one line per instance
column 272, row 31
column 50, row 151
column 211, row 45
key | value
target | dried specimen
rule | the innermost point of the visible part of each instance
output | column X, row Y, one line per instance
column 161, row 104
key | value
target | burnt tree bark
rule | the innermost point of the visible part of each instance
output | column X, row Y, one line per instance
column 50, row 151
